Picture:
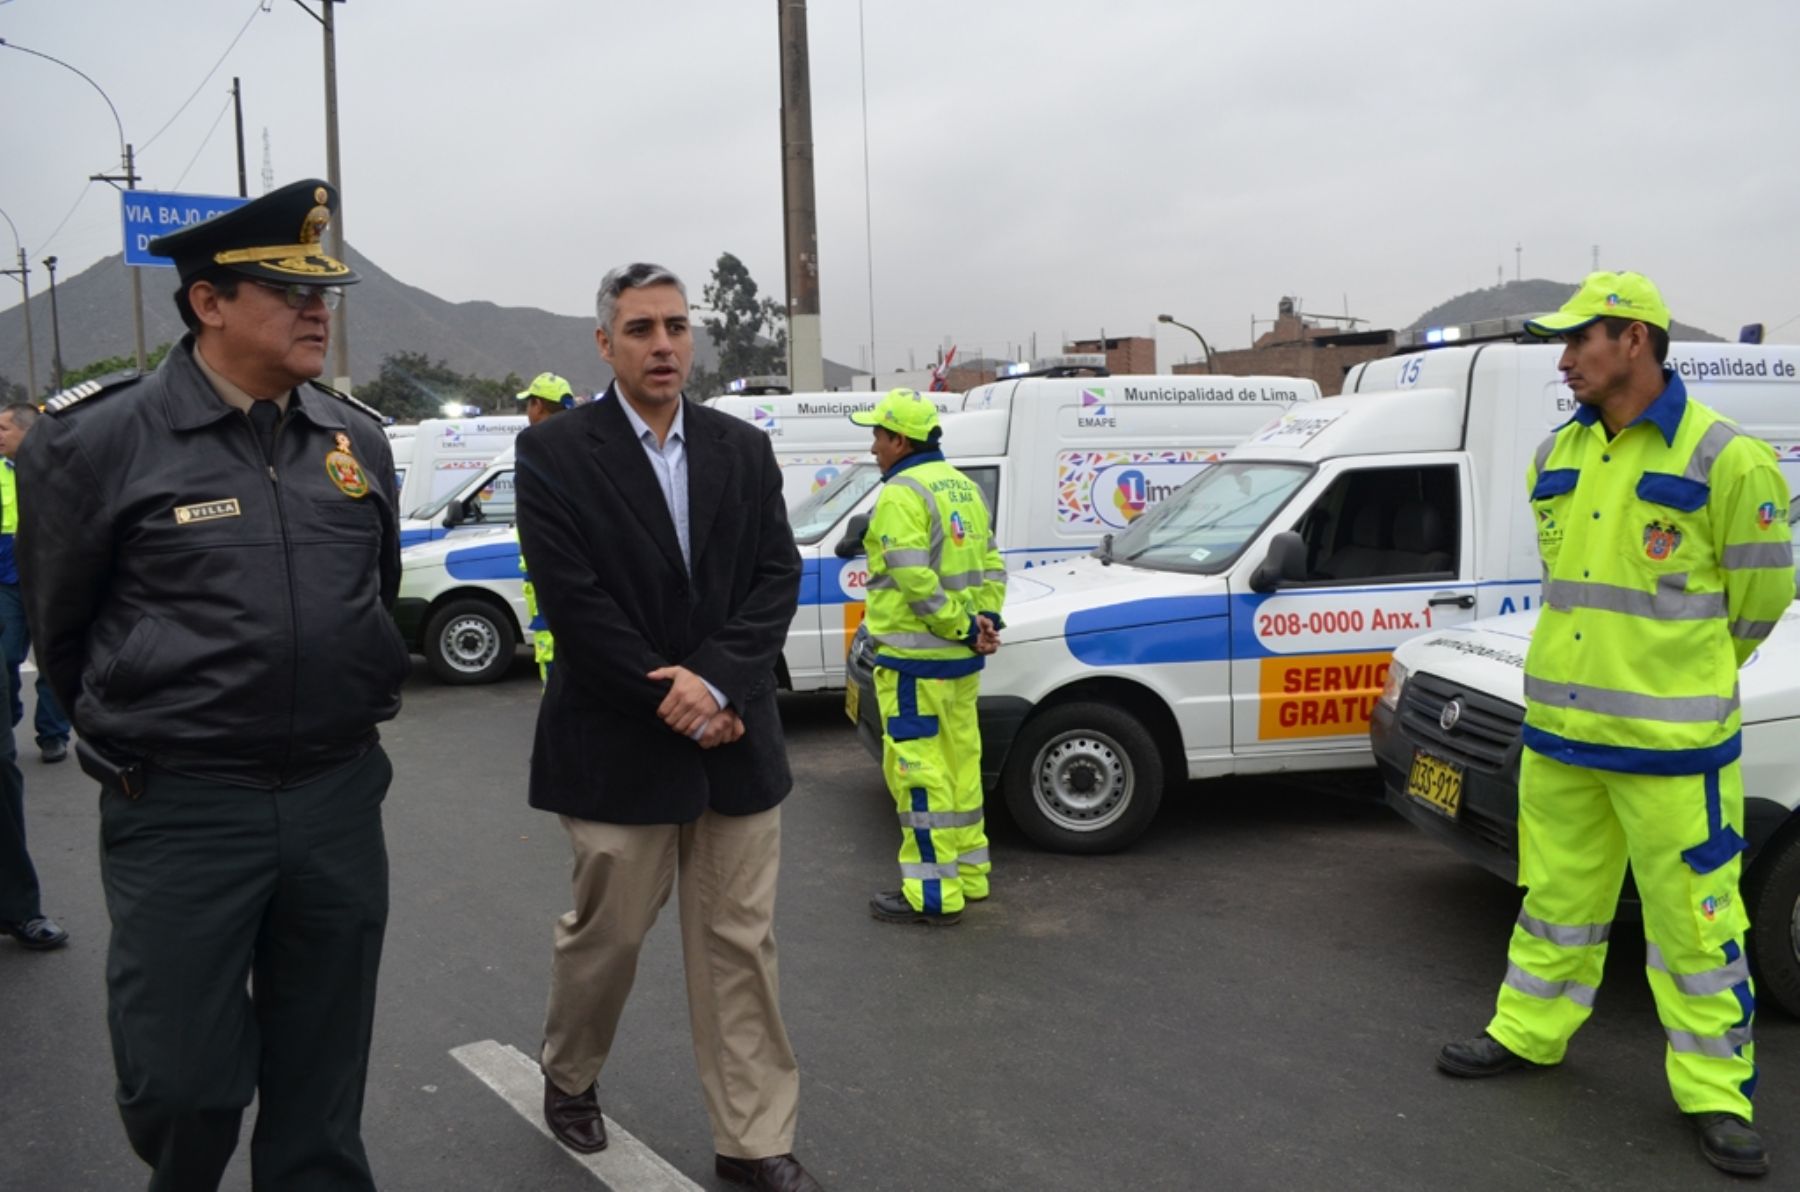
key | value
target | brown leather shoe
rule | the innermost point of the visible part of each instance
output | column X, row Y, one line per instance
column 574, row 1119
column 777, row 1173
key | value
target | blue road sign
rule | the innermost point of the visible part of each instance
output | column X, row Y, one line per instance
column 151, row 213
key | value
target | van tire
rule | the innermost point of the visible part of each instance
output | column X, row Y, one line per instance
column 468, row 641
column 1772, row 896
column 1083, row 778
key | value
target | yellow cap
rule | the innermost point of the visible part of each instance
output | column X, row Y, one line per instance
column 550, row 388
column 1605, row 296
column 902, row 411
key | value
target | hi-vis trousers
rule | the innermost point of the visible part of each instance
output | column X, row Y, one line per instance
column 1577, row 828
column 931, row 757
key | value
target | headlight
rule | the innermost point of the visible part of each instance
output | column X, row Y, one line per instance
column 1394, row 687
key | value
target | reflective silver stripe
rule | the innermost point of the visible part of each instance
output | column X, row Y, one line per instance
column 940, row 819
column 1705, row 984
column 1543, row 453
column 1757, row 554
column 913, row 641
column 1666, row 709
column 1752, row 631
column 1575, row 991
column 994, row 577
column 961, row 580
column 1666, row 604
column 908, row 558
column 1706, row 451
column 1719, row 1047
column 1567, row 937
column 929, row 605
column 880, row 583
column 924, row 872
column 931, row 511
column 974, row 857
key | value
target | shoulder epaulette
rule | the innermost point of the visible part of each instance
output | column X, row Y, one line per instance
column 76, row 394
column 364, row 406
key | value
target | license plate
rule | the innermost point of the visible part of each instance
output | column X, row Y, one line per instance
column 1436, row 783
column 852, row 697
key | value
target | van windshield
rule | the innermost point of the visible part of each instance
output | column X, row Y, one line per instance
column 814, row 517
column 434, row 509
column 1209, row 521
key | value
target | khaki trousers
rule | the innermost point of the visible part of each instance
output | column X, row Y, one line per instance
column 622, row 877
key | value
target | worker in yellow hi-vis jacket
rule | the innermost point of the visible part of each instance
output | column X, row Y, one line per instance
column 548, row 394
column 936, row 586
column 1664, row 537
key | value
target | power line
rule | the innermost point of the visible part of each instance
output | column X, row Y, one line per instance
column 203, row 142
column 256, row 8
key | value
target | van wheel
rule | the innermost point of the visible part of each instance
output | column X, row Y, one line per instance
column 468, row 641
column 1083, row 778
column 1773, row 897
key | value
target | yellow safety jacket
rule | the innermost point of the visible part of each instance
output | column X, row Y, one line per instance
column 9, row 495
column 543, row 643
column 1666, row 560
column 933, row 566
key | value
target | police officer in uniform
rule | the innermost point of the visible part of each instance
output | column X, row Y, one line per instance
column 1663, row 531
column 547, row 394
column 936, row 584
column 208, row 558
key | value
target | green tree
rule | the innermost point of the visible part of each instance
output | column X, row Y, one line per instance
column 748, row 331
column 412, row 387
column 108, row 365
column 11, row 391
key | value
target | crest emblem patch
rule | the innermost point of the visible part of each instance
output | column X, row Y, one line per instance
column 345, row 472
column 1660, row 541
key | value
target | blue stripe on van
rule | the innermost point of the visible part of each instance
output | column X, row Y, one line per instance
column 492, row 560
column 1143, row 632
column 414, row 537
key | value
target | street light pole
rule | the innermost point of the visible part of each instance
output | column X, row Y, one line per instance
column 1207, row 348
column 56, row 370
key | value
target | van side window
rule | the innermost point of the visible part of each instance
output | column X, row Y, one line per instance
column 494, row 503
column 987, row 479
column 1386, row 524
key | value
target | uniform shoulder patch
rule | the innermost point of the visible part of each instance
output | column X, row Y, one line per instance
column 365, row 407
column 74, row 395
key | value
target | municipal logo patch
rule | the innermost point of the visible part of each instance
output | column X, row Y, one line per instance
column 1765, row 515
column 1660, row 541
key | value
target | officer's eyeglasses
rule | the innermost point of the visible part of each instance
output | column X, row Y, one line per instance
column 299, row 297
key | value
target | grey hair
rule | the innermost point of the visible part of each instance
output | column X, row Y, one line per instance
column 630, row 277
column 22, row 413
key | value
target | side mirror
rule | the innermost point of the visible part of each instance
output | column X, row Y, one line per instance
column 455, row 515
column 1284, row 564
column 850, row 546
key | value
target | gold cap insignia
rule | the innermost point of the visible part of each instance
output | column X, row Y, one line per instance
column 314, row 225
column 343, row 442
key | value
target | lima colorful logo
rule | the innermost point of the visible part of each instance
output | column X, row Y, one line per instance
column 764, row 417
column 1093, row 403
column 1709, row 906
column 823, row 477
column 1132, row 496
column 958, row 531
column 1765, row 515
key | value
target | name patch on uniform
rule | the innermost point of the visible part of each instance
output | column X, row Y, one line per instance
column 207, row 511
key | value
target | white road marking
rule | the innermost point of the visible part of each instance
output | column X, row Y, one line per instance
column 626, row 1165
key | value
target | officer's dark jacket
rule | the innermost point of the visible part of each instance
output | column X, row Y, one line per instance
column 610, row 580
column 197, row 609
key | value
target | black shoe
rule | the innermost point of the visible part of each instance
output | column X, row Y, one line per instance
column 778, row 1173
column 37, row 934
column 890, row 906
column 574, row 1120
column 1730, row 1143
column 1481, row 1056
column 53, row 751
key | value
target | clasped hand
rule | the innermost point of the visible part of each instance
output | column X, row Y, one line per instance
column 690, row 709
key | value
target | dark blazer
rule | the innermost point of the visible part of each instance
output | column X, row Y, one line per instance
column 607, row 567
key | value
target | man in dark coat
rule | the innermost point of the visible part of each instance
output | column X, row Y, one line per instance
column 663, row 562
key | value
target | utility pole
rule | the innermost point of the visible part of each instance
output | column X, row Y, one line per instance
column 23, row 273
column 237, row 106
column 130, row 179
column 1519, row 262
column 806, row 363
column 340, row 332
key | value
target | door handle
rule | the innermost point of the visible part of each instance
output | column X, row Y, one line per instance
column 1459, row 599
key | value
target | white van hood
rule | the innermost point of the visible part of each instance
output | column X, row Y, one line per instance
column 1489, row 656
column 433, row 553
column 1039, row 601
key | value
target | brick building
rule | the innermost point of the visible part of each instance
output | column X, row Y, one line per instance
column 1294, row 347
column 1133, row 355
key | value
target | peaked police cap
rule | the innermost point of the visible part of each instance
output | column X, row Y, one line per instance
column 274, row 238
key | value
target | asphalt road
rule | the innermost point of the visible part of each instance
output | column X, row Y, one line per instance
column 1249, row 999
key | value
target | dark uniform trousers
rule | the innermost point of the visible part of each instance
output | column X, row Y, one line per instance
column 18, row 879
column 212, row 887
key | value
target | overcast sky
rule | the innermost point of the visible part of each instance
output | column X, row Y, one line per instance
column 1037, row 167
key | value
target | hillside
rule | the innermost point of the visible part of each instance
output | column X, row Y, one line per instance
column 386, row 316
column 1533, row 297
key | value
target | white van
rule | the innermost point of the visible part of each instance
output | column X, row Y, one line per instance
column 446, row 452
column 813, row 437
column 1064, row 462
column 1246, row 627
column 1473, row 806
column 400, row 442
column 483, row 502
